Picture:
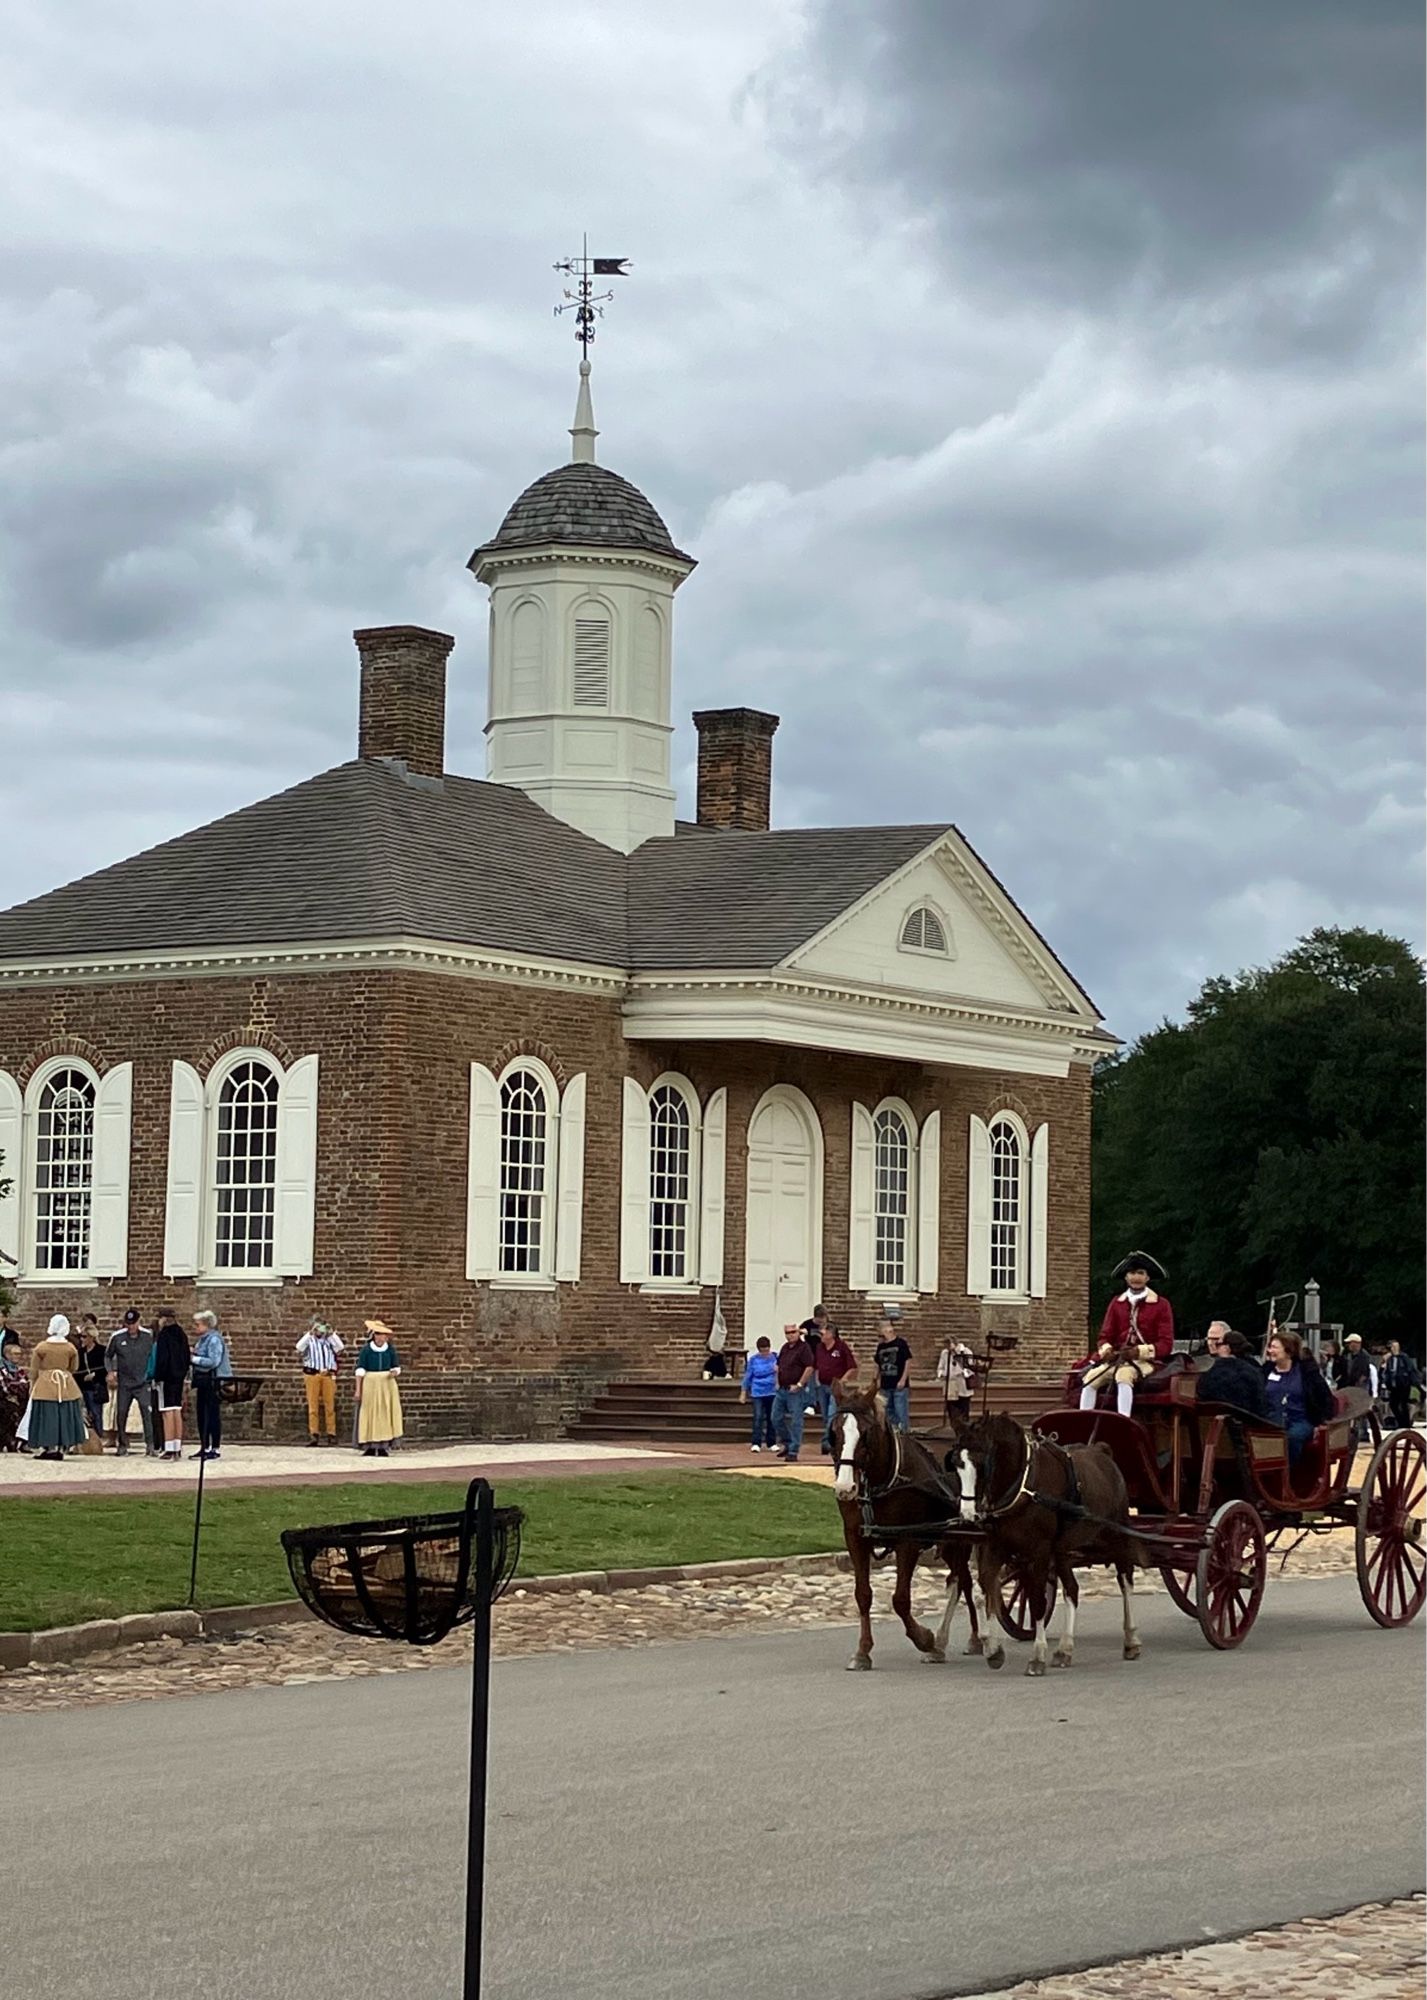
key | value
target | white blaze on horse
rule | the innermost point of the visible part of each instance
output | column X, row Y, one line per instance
column 1041, row 1508
column 887, row 1479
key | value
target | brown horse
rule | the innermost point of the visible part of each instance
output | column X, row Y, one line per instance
column 1044, row 1507
column 900, row 1481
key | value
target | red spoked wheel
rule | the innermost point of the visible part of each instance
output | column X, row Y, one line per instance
column 1392, row 1563
column 1180, row 1585
column 1230, row 1575
column 1013, row 1611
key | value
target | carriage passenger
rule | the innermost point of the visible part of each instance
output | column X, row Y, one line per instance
column 1298, row 1397
column 1232, row 1377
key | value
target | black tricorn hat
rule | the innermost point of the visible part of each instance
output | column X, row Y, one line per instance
column 1140, row 1260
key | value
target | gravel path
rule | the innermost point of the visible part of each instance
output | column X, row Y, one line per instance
column 1371, row 1953
column 283, row 1655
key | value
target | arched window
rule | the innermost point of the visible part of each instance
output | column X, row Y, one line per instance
column 245, row 1166
column 63, row 1178
column 923, row 929
column 1008, row 1206
column 524, row 1174
column 670, row 1181
column 893, row 1197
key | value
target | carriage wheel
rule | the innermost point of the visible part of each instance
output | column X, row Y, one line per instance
column 1013, row 1611
column 1392, row 1564
column 1180, row 1585
column 1230, row 1575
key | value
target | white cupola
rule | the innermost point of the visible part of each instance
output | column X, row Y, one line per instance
column 582, row 575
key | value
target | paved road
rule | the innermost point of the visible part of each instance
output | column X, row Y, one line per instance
column 720, row 1819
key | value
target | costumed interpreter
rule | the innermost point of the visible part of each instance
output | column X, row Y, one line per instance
column 1136, row 1336
column 378, row 1397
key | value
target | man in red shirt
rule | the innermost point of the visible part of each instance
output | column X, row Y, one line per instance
column 832, row 1359
column 795, row 1371
column 1136, row 1335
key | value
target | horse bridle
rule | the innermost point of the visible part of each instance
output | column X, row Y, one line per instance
column 993, row 1511
column 866, row 1491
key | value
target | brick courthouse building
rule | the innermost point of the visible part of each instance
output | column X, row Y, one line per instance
column 524, row 1067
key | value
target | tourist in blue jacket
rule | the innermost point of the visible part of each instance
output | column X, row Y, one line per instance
column 760, row 1385
column 212, row 1364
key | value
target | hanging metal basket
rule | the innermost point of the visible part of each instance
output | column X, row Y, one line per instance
column 412, row 1578
column 239, row 1388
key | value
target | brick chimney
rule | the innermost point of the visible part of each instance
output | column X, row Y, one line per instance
column 403, row 700
column 735, row 768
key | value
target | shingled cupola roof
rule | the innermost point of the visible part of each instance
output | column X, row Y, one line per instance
column 582, row 504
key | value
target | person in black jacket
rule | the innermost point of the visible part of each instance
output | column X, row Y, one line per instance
column 172, row 1359
column 1400, row 1376
column 1231, row 1377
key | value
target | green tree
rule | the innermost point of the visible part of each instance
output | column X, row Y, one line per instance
column 1273, row 1136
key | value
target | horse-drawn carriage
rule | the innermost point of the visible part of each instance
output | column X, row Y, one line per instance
column 1204, row 1495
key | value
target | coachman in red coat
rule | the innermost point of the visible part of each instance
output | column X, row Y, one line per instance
column 1137, row 1334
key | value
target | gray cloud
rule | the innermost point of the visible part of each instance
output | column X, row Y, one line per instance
column 1037, row 384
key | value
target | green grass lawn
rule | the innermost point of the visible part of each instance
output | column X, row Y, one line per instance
column 64, row 1560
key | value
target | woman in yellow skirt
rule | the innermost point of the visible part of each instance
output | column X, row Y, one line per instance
column 378, row 1397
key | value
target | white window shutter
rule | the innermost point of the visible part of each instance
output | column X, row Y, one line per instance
column 184, row 1205
column 109, row 1196
column 483, row 1176
column 296, row 1219
column 1040, row 1207
column 634, row 1187
column 570, row 1204
column 978, row 1209
column 860, row 1265
column 929, row 1204
column 715, row 1151
column 12, row 1130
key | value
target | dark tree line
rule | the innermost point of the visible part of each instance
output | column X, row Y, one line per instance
column 1273, row 1136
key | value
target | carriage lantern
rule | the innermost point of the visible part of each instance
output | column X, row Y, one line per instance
column 1312, row 1304
column 416, row 1578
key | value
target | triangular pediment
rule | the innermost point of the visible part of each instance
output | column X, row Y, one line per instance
column 992, row 955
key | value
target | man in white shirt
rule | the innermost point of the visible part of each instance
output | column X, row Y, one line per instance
column 318, row 1350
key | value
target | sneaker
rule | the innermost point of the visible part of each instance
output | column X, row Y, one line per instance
column 214, row 1454
column 755, row 1447
column 790, row 1458
column 122, row 1451
column 150, row 1451
column 198, row 1454
column 314, row 1440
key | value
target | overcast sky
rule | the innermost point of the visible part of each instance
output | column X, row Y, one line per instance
column 1038, row 385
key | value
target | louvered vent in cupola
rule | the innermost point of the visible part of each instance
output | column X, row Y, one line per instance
column 592, row 663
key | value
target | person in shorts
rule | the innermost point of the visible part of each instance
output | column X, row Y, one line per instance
column 172, row 1360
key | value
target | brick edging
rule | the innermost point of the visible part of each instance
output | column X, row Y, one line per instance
column 63, row 1644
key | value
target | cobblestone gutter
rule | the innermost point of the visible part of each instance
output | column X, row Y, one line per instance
column 1371, row 1953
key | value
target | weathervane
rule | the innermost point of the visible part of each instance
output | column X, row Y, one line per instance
column 584, row 301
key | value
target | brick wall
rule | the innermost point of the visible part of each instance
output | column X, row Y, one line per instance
column 395, row 1052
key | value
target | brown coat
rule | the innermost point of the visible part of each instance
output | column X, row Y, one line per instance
column 52, row 1367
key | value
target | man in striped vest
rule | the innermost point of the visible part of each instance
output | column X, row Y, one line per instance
column 317, row 1351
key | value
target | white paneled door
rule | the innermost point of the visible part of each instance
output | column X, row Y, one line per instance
column 783, row 1250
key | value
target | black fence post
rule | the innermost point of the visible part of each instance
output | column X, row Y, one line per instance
column 480, row 1720
column 197, row 1523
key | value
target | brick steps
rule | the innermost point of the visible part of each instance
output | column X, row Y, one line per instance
column 694, row 1413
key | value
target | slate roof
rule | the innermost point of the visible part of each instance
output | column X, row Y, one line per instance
column 582, row 505
column 365, row 850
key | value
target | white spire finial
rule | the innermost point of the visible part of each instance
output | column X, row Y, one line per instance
column 583, row 429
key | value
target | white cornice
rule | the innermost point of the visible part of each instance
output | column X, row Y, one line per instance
column 582, row 556
column 392, row 954
column 789, row 1008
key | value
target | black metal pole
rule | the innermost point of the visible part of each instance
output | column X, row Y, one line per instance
column 480, row 1717
column 197, row 1514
